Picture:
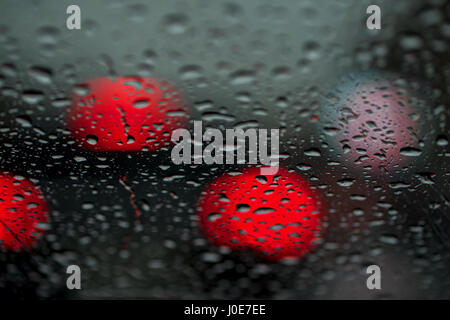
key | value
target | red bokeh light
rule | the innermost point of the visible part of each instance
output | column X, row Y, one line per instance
column 377, row 120
column 22, row 206
column 279, row 216
column 125, row 114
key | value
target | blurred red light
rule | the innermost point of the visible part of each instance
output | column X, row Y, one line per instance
column 22, row 209
column 125, row 114
column 278, row 216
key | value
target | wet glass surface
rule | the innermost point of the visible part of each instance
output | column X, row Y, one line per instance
column 363, row 119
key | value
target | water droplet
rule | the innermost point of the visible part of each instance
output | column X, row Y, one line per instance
column 142, row 103
column 175, row 23
column 264, row 210
column 313, row 152
column 91, row 139
column 410, row 152
column 441, row 141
